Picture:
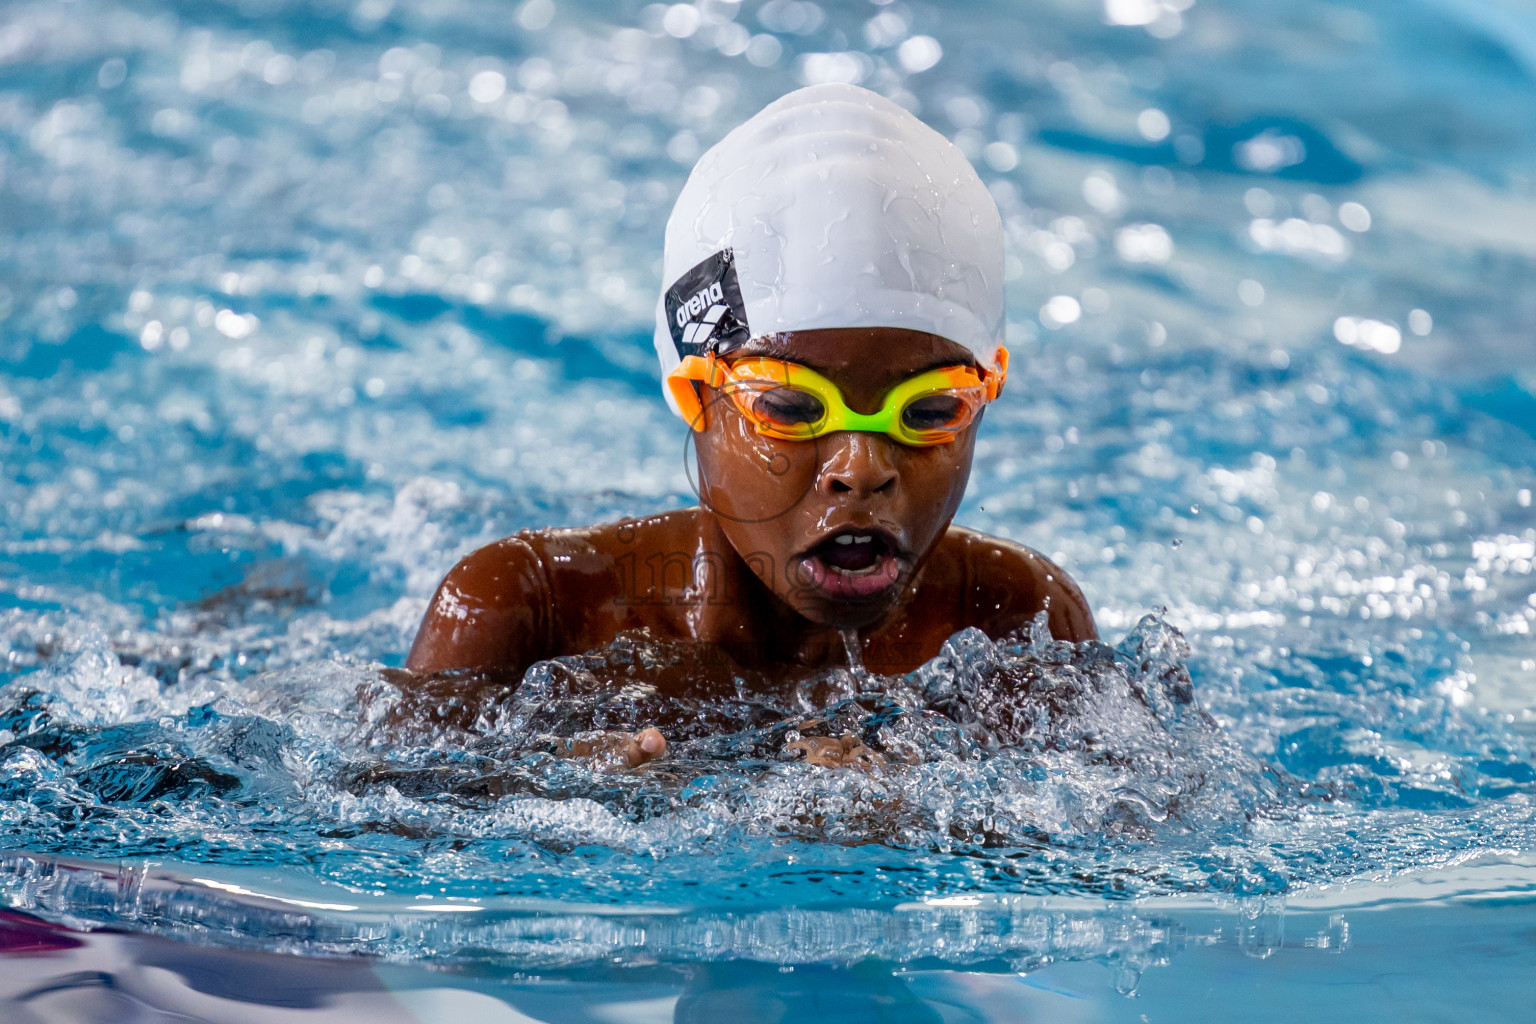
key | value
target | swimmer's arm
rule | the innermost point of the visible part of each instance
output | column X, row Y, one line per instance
column 490, row 613
column 1012, row 583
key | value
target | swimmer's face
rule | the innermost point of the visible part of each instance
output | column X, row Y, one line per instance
column 836, row 527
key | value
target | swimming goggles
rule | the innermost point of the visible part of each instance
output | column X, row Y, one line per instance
column 792, row 402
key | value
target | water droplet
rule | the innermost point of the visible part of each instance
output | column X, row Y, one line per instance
column 854, row 651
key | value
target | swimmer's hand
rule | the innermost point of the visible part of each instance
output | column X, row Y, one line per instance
column 617, row 750
column 845, row 751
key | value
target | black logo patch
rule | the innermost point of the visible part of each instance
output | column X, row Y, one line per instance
column 705, row 309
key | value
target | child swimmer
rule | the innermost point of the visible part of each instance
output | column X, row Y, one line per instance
column 831, row 332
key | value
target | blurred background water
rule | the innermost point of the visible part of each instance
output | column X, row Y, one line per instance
column 300, row 302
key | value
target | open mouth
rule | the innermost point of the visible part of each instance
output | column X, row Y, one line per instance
column 855, row 564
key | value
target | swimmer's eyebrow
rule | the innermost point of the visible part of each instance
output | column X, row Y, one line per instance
column 769, row 345
column 934, row 364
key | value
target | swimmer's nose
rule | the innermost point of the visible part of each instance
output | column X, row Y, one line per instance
column 858, row 465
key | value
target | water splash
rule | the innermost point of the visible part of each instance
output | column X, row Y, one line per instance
column 1095, row 763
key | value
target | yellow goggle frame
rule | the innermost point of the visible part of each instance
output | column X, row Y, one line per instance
column 929, row 408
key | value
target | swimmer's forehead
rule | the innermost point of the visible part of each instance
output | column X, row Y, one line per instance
column 897, row 351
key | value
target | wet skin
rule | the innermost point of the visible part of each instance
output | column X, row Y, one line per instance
column 759, row 569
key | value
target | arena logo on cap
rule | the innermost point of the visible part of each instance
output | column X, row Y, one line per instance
column 713, row 294
column 705, row 310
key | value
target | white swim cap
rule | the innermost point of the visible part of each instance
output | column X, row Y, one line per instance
column 833, row 207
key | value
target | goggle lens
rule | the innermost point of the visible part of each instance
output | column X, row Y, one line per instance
column 780, row 407
column 941, row 412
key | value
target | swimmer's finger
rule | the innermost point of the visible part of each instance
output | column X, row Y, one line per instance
column 645, row 745
column 818, row 750
column 824, row 751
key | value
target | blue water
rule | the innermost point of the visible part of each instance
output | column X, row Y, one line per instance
column 301, row 302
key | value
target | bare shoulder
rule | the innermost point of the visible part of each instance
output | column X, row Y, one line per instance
column 489, row 612
column 489, row 576
column 1011, row 583
column 539, row 594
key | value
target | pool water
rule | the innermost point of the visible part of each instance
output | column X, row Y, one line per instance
column 300, row 302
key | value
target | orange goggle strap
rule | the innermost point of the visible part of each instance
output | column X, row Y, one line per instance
column 715, row 372
column 680, row 385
